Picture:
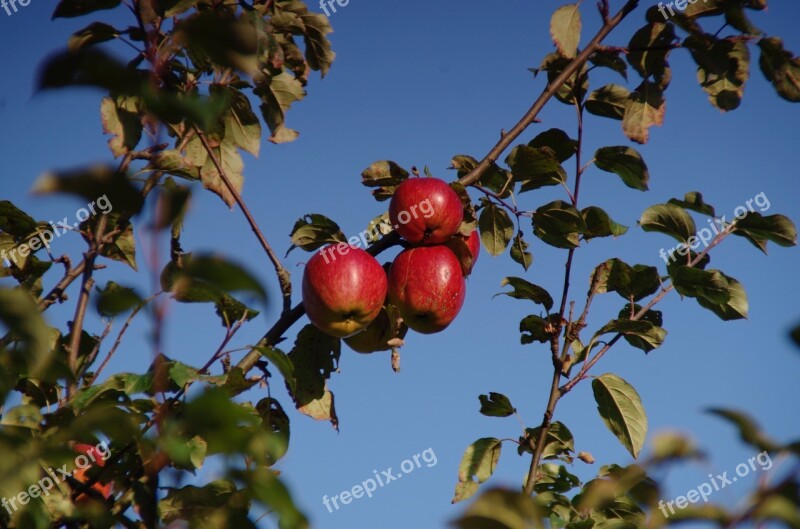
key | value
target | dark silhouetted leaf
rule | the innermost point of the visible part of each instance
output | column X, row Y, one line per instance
column 627, row 163
column 526, row 290
column 496, row 405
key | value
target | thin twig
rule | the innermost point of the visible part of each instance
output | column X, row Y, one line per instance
column 283, row 274
column 121, row 333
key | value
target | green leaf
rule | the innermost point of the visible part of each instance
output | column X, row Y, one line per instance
column 723, row 67
column 645, row 108
column 227, row 308
column 655, row 317
column 668, row 219
column 315, row 356
column 558, row 443
column 693, row 201
column 277, row 97
column 223, row 274
column 711, row 285
column 174, row 8
column 496, row 229
column 621, row 409
column 14, row 221
column 759, row 229
column 625, row 162
column 122, row 247
column 704, row 9
column 173, row 203
column 526, row 290
column 318, row 47
column 599, row 224
column 534, row 329
column 478, row 464
column 94, row 33
column 559, row 224
column 229, row 158
column 565, row 29
column 649, row 48
column 92, row 184
column 221, row 40
column 557, row 141
column 205, row 111
column 264, row 486
column 749, row 431
column 610, row 59
column 643, row 334
column 77, row 8
column 576, row 85
column 279, row 359
column 494, row 178
column 496, row 405
column 735, row 308
column 502, row 509
column 26, row 416
column 276, row 422
column 314, row 231
column 609, row 101
column 383, row 173
column 200, row 505
column 635, row 282
column 385, row 176
column 87, row 67
column 780, row 67
column 242, row 126
column 535, row 167
column 124, row 127
column 520, row 253
column 115, row 299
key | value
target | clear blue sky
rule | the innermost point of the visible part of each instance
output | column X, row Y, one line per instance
column 419, row 82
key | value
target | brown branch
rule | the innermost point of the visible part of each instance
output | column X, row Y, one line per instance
column 530, row 116
column 87, row 282
column 283, row 275
column 56, row 294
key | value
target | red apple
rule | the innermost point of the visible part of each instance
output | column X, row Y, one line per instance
column 93, row 456
column 377, row 335
column 344, row 289
column 425, row 211
column 427, row 286
column 467, row 248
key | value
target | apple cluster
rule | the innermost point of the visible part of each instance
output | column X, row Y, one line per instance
column 354, row 298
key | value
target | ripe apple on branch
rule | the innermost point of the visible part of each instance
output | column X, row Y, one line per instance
column 426, row 282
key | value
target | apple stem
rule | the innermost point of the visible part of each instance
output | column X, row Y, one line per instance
column 395, row 359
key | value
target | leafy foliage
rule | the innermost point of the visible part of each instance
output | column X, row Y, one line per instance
column 210, row 79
